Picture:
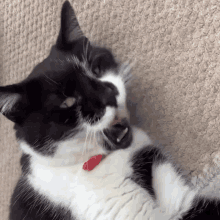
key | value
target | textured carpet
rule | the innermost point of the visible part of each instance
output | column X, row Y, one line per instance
column 174, row 46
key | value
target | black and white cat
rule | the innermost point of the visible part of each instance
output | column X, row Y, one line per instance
column 73, row 107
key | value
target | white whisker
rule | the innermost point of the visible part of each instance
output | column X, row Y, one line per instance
column 93, row 137
column 84, row 51
column 50, row 79
column 90, row 139
column 96, row 142
column 84, row 147
column 87, row 47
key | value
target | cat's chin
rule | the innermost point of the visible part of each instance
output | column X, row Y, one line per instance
column 118, row 136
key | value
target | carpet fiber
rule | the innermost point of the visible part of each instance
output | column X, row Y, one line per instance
column 174, row 48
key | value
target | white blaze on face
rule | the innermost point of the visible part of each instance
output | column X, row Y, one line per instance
column 111, row 112
column 119, row 84
column 104, row 122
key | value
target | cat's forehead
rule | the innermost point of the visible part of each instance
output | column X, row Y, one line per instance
column 70, row 72
column 80, row 57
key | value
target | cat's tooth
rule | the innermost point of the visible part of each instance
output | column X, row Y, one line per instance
column 122, row 135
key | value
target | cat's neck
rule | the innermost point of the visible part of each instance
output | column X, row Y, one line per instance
column 77, row 151
column 68, row 153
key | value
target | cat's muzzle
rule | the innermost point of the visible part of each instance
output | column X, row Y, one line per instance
column 119, row 135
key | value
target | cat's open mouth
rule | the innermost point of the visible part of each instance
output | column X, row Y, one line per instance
column 119, row 135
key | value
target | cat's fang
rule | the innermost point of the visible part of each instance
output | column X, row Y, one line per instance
column 122, row 135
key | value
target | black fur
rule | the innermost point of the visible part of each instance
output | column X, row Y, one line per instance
column 27, row 204
column 112, row 133
column 203, row 208
column 143, row 161
column 25, row 164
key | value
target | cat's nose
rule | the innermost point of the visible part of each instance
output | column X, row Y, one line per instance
column 121, row 115
column 117, row 120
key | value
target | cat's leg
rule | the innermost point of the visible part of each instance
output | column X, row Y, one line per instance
column 173, row 194
column 155, row 171
column 203, row 208
column 178, row 198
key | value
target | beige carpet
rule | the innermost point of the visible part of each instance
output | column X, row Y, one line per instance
column 174, row 45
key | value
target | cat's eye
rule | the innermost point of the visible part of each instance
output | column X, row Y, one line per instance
column 69, row 102
column 96, row 70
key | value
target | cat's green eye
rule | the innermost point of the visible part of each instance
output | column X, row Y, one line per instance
column 69, row 102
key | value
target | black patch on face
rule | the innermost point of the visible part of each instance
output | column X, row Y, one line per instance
column 142, row 162
column 203, row 208
column 72, row 69
column 26, row 203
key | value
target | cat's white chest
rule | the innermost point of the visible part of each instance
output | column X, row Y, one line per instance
column 106, row 192
column 103, row 193
column 113, row 198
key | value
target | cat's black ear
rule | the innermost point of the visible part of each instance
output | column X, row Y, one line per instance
column 11, row 103
column 70, row 29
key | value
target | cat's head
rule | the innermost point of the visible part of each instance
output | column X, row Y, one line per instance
column 78, row 91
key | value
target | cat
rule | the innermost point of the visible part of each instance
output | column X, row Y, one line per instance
column 71, row 108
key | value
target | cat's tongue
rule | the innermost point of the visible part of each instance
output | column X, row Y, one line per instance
column 92, row 162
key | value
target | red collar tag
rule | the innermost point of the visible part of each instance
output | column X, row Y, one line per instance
column 92, row 162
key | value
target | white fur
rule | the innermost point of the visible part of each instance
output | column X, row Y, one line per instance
column 72, row 185
column 8, row 101
column 104, row 192
column 68, row 152
column 172, row 193
column 90, row 192
column 117, row 81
